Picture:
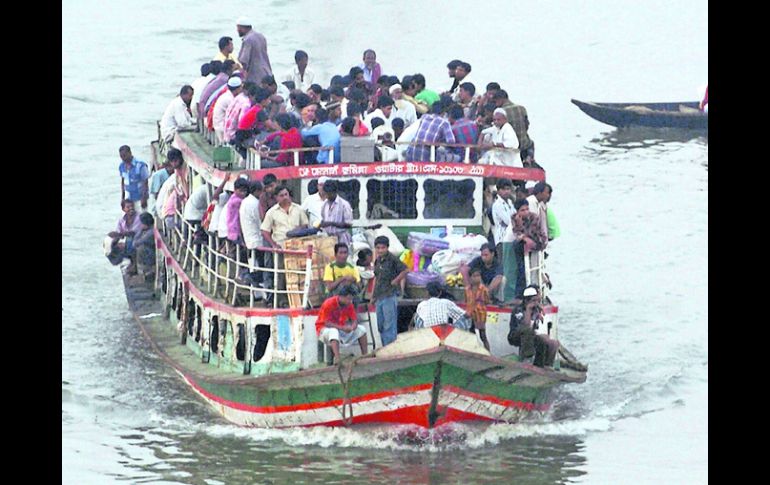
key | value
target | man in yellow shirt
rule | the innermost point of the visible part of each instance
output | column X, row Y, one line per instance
column 226, row 49
column 340, row 273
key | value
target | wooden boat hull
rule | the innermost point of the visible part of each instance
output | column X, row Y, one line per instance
column 655, row 115
column 428, row 377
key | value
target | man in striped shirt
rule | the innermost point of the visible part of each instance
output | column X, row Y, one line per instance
column 466, row 132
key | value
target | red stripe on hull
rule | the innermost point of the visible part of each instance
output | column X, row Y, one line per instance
column 415, row 415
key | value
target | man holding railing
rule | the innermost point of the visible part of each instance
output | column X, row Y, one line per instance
column 278, row 221
column 250, row 228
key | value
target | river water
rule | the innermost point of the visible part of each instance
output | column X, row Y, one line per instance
column 629, row 271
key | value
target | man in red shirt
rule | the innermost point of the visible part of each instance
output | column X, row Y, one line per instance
column 338, row 323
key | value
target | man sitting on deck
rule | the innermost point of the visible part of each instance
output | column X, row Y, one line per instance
column 491, row 271
column 439, row 311
column 337, row 322
column 339, row 273
column 177, row 114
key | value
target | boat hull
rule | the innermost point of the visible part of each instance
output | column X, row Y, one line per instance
column 653, row 115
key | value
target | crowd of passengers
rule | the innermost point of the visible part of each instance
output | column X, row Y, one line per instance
column 261, row 214
column 246, row 105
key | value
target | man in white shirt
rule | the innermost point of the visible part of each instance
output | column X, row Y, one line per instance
column 196, row 205
column 500, row 135
column 201, row 83
column 313, row 203
column 300, row 73
column 177, row 114
column 502, row 210
column 402, row 108
column 384, row 110
column 406, row 136
column 462, row 72
column 250, row 228
column 234, row 88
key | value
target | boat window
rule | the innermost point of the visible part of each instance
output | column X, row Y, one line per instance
column 240, row 343
column 262, row 333
column 198, row 322
column 214, row 336
column 350, row 190
column 449, row 199
column 391, row 199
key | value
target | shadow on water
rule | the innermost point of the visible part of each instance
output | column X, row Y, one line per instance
column 636, row 137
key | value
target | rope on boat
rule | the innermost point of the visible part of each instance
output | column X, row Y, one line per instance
column 570, row 361
column 347, row 404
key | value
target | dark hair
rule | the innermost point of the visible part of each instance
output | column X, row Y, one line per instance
column 346, row 80
column 339, row 246
column 205, row 69
column 456, row 112
column 384, row 80
column 223, row 41
column 215, row 67
column 434, row 288
column 493, row 85
column 316, row 88
column 337, row 91
column 185, row 89
column 419, row 79
column 124, row 148
column 227, row 66
column 466, row 67
column 357, row 94
column 382, row 240
column 146, row 218
column 370, row 50
column 393, row 80
column 175, row 154
column 517, row 205
column 407, row 81
column 453, row 64
column 336, row 81
column 289, row 85
column 269, row 80
column 331, row 186
column 302, row 100
column 539, row 187
column 354, row 108
column 269, row 179
column 384, row 101
column 125, row 202
column 502, row 183
column 283, row 120
column 501, row 94
column 488, row 247
column 347, row 290
column 325, row 95
column 255, row 186
column 397, row 122
column 282, row 187
column 355, row 71
column 347, row 125
column 261, row 94
column 362, row 255
column 241, row 184
column 300, row 55
column 321, row 115
column 377, row 122
column 468, row 87
column 474, row 270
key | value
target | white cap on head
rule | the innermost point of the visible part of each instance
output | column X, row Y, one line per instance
column 243, row 20
column 500, row 111
column 530, row 291
column 323, row 180
column 234, row 82
column 395, row 87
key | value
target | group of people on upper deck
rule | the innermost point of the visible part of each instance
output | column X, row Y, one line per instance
column 247, row 106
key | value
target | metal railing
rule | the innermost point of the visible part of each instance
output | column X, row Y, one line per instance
column 188, row 253
column 537, row 269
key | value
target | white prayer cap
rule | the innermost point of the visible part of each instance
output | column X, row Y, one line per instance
column 243, row 20
column 529, row 291
column 500, row 111
column 323, row 180
column 395, row 87
column 234, row 82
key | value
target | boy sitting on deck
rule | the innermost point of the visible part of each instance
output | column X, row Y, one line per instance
column 337, row 322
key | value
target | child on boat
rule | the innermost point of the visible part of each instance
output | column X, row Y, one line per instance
column 477, row 299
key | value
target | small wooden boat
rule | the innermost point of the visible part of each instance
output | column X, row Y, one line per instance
column 656, row 115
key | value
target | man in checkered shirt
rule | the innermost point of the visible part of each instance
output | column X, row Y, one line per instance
column 437, row 311
column 434, row 128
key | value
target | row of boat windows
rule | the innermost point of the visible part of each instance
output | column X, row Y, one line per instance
column 397, row 199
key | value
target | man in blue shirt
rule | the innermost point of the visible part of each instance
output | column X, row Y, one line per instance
column 328, row 136
column 133, row 177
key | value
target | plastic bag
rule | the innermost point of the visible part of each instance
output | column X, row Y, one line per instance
column 395, row 247
column 467, row 243
column 424, row 244
column 447, row 262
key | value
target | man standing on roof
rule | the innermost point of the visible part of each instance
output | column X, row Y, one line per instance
column 300, row 73
column 253, row 55
column 133, row 177
column 517, row 117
